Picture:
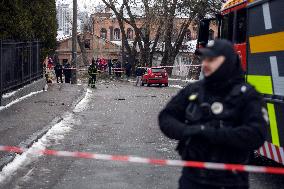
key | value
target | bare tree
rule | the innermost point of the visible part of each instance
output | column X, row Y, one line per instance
column 81, row 37
column 159, row 24
column 150, row 18
column 81, row 41
column 191, row 11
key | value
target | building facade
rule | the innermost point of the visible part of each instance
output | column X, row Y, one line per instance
column 95, row 46
column 106, row 26
column 64, row 18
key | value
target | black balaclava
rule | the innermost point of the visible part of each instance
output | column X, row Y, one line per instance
column 230, row 72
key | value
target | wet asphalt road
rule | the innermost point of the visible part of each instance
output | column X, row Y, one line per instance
column 118, row 119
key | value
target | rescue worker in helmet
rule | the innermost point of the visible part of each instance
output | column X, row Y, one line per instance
column 217, row 119
column 93, row 71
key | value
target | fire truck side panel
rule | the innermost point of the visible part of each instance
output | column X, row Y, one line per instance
column 265, row 67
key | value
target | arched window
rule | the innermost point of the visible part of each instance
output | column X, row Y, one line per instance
column 103, row 33
column 211, row 34
column 188, row 36
column 116, row 34
column 129, row 33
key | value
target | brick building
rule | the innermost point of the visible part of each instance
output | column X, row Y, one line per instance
column 106, row 26
column 96, row 47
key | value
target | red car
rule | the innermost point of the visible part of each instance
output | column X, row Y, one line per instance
column 155, row 75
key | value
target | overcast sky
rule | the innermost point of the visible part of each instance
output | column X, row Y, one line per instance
column 89, row 4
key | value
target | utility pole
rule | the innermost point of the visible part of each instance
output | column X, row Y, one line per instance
column 74, row 44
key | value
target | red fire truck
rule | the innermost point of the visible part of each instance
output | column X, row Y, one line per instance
column 256, row 28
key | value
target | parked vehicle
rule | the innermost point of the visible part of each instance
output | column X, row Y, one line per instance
column 155, row 75
column 256, row 28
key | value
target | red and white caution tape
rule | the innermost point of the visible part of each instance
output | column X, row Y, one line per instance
column 162, row 162
column 181, row 66
column 173, row 66
column 118, row 70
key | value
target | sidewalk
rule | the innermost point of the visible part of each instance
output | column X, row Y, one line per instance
column 25, row 121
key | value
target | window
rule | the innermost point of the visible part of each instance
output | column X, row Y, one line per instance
column 158, row 70
column 241, row 26
column 111, row 33
column 116, row 34
column 211, row 34
column 87, row 43
column 227, row 27
column 103, row 33
column 188, row 35
column 184, row 47
column 65, row 61
column 129, row 33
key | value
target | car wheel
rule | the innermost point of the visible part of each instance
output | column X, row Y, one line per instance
column 166, row 85
column 148, row 84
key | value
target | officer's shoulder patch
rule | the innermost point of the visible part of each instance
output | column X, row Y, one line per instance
column 193, row 96
column 244, row 88
column 241, row 89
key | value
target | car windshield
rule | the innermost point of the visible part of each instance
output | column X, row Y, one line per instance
column 158, row 70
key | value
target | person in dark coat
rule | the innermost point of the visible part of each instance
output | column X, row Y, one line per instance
column 110, row 66
column 139, row 72
column 58, row 72
column 67, row 73
column 218, row 119
column 118, row 69
column 127, row 67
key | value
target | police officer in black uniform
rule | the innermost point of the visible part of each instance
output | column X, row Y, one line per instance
column 218, row 119
column 67, row 73
column 58, row 72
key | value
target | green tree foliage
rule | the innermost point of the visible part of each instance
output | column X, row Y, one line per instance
column 29, row 20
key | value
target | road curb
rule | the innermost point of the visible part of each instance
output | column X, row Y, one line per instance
column 29, row 142
column 37, row 135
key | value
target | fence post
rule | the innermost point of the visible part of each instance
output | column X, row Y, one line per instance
column 37, row 61
column 1, row 72
column 31, row 60
column 22, row 63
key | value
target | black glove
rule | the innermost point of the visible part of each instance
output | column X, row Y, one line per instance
column 192, row 131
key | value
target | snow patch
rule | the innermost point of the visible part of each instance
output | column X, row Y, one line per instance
column 19, row 100
column 12, row 93
column 8, row 95
column 190, row 80
column 176, row 86
column 183, row 80
column 83, row 104
column 53, row 136
column 173, row 79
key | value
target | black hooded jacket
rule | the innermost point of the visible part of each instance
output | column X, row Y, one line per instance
column 230, row 135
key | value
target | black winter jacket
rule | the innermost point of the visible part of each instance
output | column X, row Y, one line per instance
column 228, row 137
column 58, row 69
column 139, row 72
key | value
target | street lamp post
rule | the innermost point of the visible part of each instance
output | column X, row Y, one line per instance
column 74, row 44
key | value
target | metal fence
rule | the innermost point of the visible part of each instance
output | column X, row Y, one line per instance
column 19, row 64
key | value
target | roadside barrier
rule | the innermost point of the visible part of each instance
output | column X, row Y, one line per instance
column 161, row 162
